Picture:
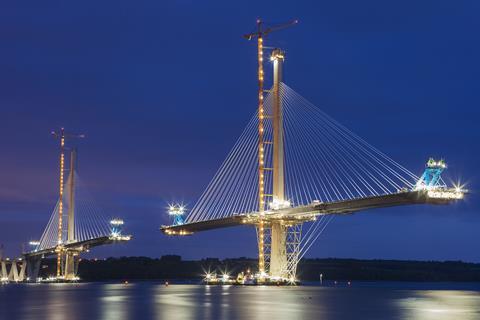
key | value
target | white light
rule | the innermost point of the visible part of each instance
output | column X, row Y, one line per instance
column 118, row 237
column 34, row 243
column 116, row 222
column 176, row 210
column 445, row 194
column 277, row 204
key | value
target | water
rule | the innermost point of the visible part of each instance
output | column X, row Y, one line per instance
column 150, row 300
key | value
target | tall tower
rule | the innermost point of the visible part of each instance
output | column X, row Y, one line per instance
column 70, row 255
column 71, row 197
column 60, row 249
column 278, row 57
column 278, row 253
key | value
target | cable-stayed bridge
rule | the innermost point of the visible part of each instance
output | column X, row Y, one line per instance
column 295, row 164
column 75, row 226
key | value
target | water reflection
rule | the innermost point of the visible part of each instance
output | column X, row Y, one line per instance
column 441, row 305
column 114, row 301
column 156, row 301
column 57, row 306
column 227, row 302
column 175, row 301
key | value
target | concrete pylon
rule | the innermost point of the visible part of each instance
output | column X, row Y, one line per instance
column 33, row 267
column 13, row 274
column 71, row 198
column 278, row 253
column 4, row 274
column 70, row 258
column 23, row 269
column 69, row 269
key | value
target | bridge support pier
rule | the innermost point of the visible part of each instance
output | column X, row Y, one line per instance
column 33, row 268
column 4, row 274
column 22, row 276
column 278, row 254
column 70, row 265
column 16, row 272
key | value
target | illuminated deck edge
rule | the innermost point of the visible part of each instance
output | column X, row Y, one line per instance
column 308, row 213
column 80, row 245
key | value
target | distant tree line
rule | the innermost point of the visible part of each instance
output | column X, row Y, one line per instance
column 173, row 267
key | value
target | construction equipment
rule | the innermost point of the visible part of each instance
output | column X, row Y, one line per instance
column 260, row 33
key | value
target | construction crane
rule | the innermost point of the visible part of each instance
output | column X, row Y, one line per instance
column 260, row 33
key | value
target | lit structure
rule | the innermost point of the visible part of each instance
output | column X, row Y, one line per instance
column 68, row 257
column 176, row 211
column 116, row 233
column 61, row 135
column 352, row 175
column 261, row 32
column 431, row 178
column 70, row 239
column 431, row 181
column 12, row 270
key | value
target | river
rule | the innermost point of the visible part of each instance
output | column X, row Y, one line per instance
column 154, row 300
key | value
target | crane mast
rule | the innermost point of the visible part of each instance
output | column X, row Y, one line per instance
column 278, row 187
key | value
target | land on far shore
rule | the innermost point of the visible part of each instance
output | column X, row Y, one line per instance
column 173, row 267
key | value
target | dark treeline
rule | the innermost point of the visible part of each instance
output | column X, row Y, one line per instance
column 173, row 267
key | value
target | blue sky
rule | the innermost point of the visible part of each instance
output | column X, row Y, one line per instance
column 163, row 89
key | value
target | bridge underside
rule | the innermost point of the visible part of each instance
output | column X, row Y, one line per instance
column 70, row 252
column 308, row 213
column 79, row 246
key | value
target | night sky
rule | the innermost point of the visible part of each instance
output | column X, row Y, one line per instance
column 162, row 89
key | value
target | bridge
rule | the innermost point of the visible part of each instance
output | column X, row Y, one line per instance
column 75, row 226
column 294, row 165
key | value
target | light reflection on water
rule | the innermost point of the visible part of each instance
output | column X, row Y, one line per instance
column 156, row 301
column 114, row 303
column 441, row 305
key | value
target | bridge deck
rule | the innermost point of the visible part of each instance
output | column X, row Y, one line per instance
column 307, row 213
column 79, row 245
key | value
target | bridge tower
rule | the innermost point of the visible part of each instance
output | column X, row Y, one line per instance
column 70, row 256
column 278, row 232
column 66, row 258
